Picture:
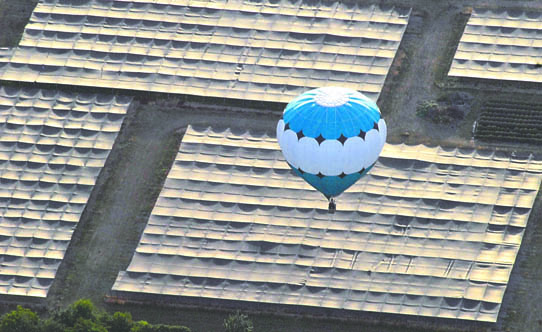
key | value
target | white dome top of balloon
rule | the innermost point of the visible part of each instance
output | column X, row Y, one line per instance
column 331, row 137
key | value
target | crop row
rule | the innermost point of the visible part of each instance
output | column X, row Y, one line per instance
column 497, row 137
column 514, row 105
column 511, row 112
column 511, row 115
column 516, row 128
column 506, row 122
column 531, row 132
column 507, row 132
column 515, row 139
column 502, row 135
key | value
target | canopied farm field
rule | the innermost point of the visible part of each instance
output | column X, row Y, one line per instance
column 428, row 232
column 53, row 146
column 500, row 44
column 264, row 50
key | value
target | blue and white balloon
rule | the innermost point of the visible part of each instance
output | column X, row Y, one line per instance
column 331, row 137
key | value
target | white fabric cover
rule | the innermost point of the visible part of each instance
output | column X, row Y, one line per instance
column 331, row 157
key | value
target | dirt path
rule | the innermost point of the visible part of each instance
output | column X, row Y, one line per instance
column 423, row 50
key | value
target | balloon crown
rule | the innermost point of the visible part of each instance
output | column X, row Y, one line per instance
column 332, row 96
column 331, row 112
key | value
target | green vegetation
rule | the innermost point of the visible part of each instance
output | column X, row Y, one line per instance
column 449, row 108
column 238, row 322
column 519, row 122
column 20, row 320
column 439, row 113
column 81, row 316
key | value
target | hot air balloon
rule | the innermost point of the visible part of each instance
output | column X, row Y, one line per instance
column 331, row 137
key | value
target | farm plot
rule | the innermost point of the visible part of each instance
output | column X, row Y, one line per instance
column 428, row 232
column 510, row 121
column 53, row 145
column 228, row 49
column 500, row 45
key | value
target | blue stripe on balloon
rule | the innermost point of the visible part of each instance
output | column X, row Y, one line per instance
column 358, row 114
column 331, row 186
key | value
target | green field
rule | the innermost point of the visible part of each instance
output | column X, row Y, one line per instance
column 121, row 202
column 510, row 121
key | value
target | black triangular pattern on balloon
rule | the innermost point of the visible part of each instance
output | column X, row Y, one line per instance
column 301, row 171
column 320, row 175
column 341, row 139
column 362, row 170
column 320, row 139
column 342, row 175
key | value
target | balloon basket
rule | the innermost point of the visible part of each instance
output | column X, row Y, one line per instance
column 332, row 206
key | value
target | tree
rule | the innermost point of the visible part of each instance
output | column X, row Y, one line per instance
column 51, row 325
column 169, row 328
column 119, row 322
column 81, row 316
column 141, row 326
column 86, row 325
column 20, row 320
column 238, row 322
column 80, row 310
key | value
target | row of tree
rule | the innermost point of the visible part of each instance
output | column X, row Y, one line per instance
column 82, row 316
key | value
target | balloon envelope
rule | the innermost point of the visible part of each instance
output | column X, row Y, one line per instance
column 331, row 137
